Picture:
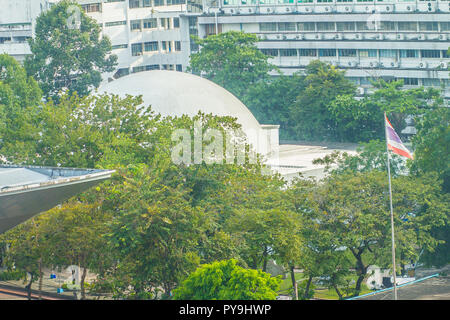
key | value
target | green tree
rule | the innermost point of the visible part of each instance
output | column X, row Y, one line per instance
column 398, row 103
column 73, row 133
column 232, row 60
column 20, row 97
column 370, row 156
column 225, row 280
column 432, row 145
column 155, row 233
column 68, row 53
column 270, row 100
column 354, row 206
column 310, row 116
column 27, row 251
column 74, row 233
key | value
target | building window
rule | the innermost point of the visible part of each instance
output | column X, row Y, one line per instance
column 121, row 72
column 368, row 53
column 179, row 67
column 267, row 27
column 430, row 53
column 166, row 46
column 347, row 52
column 119, row 46
column 308, row 52
column 165, row 23
column 136, row 49
column 138, row 69
column 325, row 26
column 140, row 3
column 407, row 26
column 135, row 25
column 115, row 23
column 151, row 46
column 150, row 23
column 134, row 4
column 270, row 52
column 431, row 82
column 176, row 22
column 345, row 26
column 445, row 26
column 428, row 26
column 410, row 81
column 159, row 3
column 93, row 7
column 286, row 26
column 4, row 39
column 177, row 45
column 362, row 26
column 168, row 67
column 306, row 26
column 387, row 53
column 409, row 54
column 387, row 26
column 327, row 52
column 288, row 52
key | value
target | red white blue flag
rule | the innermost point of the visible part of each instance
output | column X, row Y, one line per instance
column 393, row 141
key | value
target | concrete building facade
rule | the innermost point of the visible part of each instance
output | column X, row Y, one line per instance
column 17, row 21
column 392, row 39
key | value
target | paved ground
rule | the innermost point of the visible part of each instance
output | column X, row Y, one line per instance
column 437, row 288
column 4, row 296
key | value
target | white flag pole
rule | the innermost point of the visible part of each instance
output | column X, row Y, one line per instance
column 392, row 211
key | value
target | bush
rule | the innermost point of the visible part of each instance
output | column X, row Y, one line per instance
column 301, row 290
column 12, row 275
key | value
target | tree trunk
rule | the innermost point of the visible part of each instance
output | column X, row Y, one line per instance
column 28, row 287
column 41, row 276
column 358, row 284
column 362, row 270
column 293, row 279
column 265, row 259
column 337, row 291
column 83, row 277
column 305, row 294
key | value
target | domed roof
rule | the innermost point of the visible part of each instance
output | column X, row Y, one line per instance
column 173, row 93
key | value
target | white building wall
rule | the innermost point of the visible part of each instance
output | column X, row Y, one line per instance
column 17, row 23
column 421, row 69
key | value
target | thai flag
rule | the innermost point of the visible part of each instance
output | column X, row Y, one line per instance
column 393, row 141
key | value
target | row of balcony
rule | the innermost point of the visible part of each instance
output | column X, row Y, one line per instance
column 377, row 36
column 237, row 7
column 364, row 63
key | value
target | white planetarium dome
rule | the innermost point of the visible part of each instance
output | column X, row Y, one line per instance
column 173, row 93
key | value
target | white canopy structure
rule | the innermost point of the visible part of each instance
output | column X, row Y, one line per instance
column 27, row 191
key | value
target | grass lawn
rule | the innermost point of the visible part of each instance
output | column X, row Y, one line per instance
column 331, row 294
column 286, row 285
column 320, row 293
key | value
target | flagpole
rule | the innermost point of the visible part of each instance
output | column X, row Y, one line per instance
column 392, row 212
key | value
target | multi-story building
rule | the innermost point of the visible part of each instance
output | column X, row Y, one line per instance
column 145, row 34
column 17, row 20
column 392, row 39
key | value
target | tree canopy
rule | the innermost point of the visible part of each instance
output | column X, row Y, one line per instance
column 68, row 52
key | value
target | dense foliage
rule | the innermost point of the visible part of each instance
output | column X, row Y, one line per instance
column 160, row 229
column 68, row 52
